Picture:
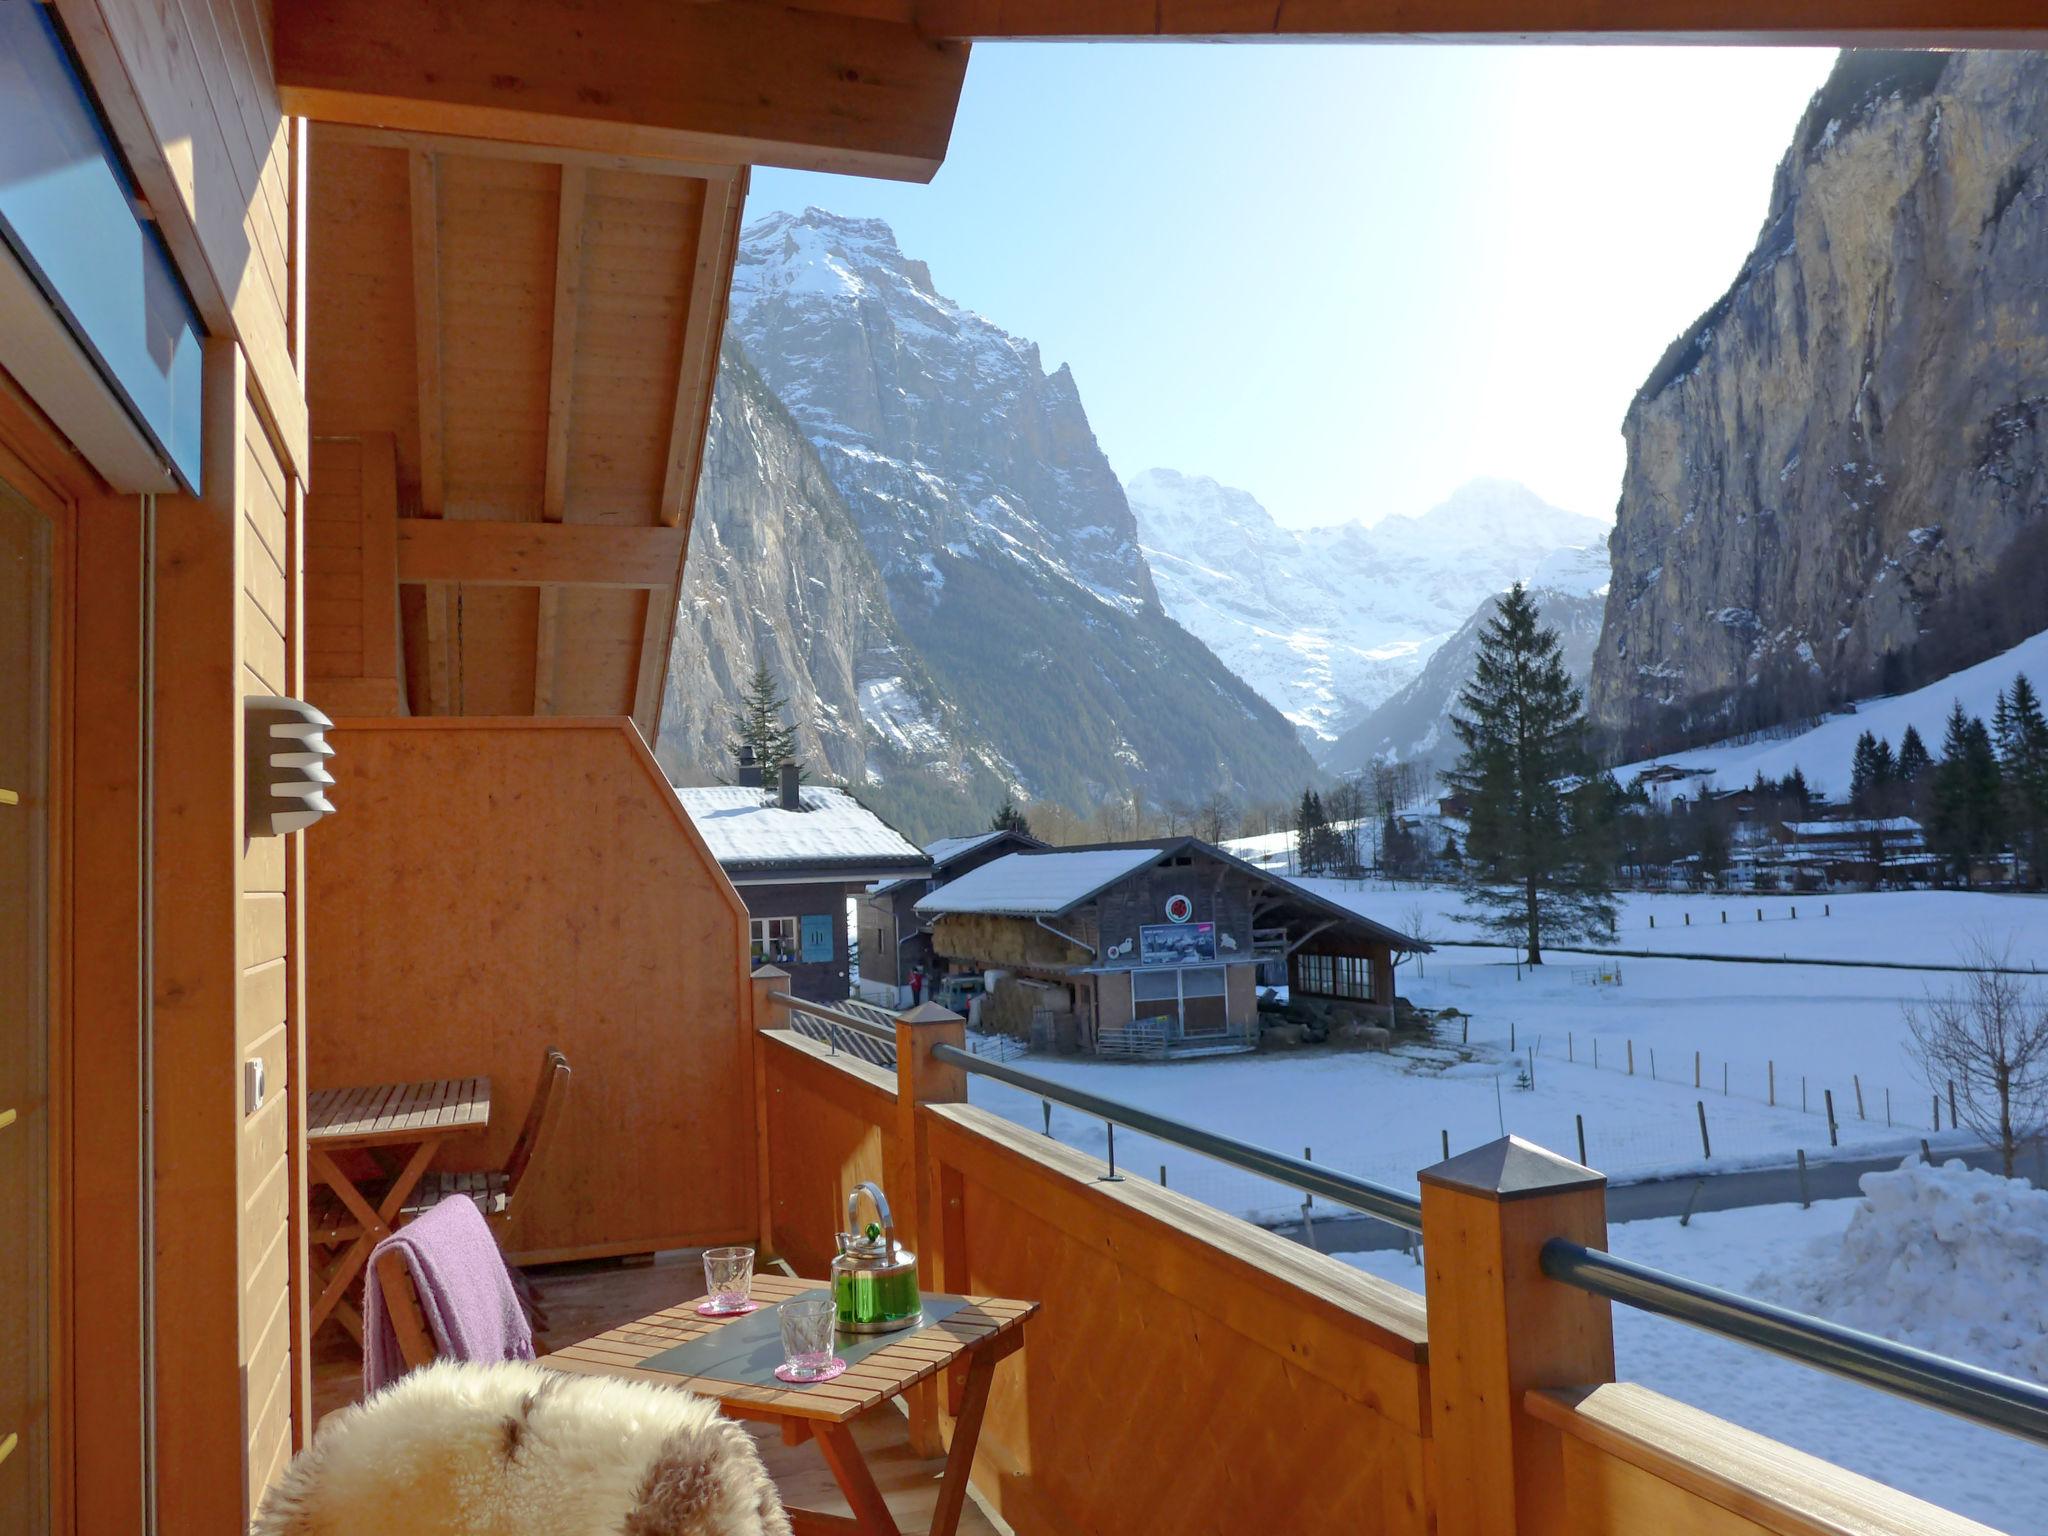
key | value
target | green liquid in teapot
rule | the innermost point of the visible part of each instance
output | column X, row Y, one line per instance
column 865, row 1297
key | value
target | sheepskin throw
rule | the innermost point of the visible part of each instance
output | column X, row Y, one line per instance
column 518, row 1450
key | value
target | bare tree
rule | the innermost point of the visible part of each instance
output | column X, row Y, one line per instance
column 1217, row 819
column 1419, row 922
column 1989, row 1038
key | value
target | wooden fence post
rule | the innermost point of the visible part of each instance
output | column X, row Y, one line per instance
column 1498, row 1328
column 765, row 1014
column 927, row 1204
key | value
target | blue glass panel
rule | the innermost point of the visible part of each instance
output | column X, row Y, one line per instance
column 67, row 211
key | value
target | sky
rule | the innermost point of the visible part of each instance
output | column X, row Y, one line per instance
column 1348, row 279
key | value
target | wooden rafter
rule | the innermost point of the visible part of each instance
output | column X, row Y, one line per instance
column 443, row 643
column 704, row 323
column 426, row 318
column 562, row 355
column 561, row 401
column 689, row 420
column 728, row 81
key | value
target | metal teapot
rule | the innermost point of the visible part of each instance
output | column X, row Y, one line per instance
column 874, row 1277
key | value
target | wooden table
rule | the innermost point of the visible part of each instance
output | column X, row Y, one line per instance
column 971, row 1340
column 380, row 1121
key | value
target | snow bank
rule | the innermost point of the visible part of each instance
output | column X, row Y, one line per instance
column 1946, row 1259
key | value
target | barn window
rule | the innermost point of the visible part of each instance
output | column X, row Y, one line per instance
column 775, row 938
column 1345, row 976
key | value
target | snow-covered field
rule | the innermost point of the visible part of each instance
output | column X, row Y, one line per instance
column 1942, row 1259
column 1808, row 1030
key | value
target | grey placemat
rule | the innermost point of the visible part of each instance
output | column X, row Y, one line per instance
column 747, row 1351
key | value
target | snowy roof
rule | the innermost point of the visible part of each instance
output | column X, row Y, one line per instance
column 947, row 849
column 748, row 831
column 1036, row 884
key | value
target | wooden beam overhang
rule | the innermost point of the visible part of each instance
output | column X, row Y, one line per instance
column 538, row 554
column 731, row 82
column 1816, row 23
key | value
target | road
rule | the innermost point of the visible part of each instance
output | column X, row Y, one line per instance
column 1733, row 1191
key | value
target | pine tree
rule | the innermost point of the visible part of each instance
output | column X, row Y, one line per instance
column 1009, row 818
column 1311, row 834
column 1966, row 823
column 1540, row 840
column 1914, row 759
column 2021, row 738
column 759, row 722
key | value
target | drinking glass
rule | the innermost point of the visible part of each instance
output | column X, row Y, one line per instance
column 809, row 1329
column 728, row 1277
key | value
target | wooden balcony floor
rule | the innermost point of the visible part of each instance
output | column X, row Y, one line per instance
column 583, row 1299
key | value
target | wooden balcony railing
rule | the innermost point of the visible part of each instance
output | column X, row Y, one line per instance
column 1193, row 1373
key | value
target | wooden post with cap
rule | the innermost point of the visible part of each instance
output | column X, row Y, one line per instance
column 765, row 982
column 1499, row 1328
column 920, row 1194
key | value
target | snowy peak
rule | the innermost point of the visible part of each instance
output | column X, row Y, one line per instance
column 1327, row 623
column 944, row 431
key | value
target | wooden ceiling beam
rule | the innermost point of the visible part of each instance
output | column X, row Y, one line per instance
column 732, row 82
column 537, row 554
column 529, row 154
column 1824, row 23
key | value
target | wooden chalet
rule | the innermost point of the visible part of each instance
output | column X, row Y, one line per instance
column 797, row 854
column 356, row 354
column 894, row 940
column 1153, row 948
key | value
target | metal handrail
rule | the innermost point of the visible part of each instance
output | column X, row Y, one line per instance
column 1389, row 1205
column 832, row 1016
column 1968, row 1391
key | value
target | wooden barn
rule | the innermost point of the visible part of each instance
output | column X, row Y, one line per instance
column 1153, row 949
column 894, row 940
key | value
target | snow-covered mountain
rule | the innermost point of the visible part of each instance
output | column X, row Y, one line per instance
column 1028, row 647
column 1328, row 623
column 1414, row 725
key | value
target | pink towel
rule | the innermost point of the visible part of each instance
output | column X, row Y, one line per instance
column 465, row 1291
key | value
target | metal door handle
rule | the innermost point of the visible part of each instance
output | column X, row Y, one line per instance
column 6, row 1118
column 9, row 797
column 7, row 1446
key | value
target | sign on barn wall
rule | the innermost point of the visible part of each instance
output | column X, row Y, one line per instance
column 1177, row 944
column 817, row 938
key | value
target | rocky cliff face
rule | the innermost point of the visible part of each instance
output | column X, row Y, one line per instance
column 1000, row 536
column 778, row 573
column 1832, row 475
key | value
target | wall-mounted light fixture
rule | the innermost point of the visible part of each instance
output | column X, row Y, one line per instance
column 284, row 774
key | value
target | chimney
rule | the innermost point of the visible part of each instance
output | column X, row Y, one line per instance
column 750, row 771
column 788, row 797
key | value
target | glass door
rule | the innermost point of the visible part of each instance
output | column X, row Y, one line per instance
column 25, row 725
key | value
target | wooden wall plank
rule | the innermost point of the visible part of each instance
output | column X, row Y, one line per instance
column 508, row 833
column 197, row 833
